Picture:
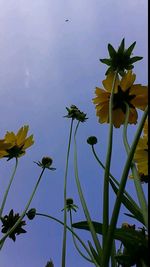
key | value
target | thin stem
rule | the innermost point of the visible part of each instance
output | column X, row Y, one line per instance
column 75, row 243
column 23, row 213
column 73, row 233
column 83, row 202
column 8, row 188
column 115, row 181
column 113, row 254
column 124, row 178
column 65, row 196
column 107, row 167
column 137, row 182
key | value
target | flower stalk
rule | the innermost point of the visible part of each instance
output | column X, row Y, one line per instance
column 115, row 214
column 65, row 198
column 137, row 182
column 23, row 213
column 107, row 166
column 8, row 188
column 83, row 202
column 115, row 181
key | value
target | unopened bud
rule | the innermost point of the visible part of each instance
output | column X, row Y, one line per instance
column 92, row 140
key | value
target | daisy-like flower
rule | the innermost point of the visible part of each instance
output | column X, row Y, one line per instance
column 70, row 205
column 46, row 163
column 15, row 145
column 141, row 155
column 125, row 92
column 9, row 221
column 75, row 113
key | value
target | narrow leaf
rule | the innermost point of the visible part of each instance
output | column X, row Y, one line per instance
column 134, row 59
column 128, row 204
column 94, row 253
column 106, row 61
column 130, row 49
column 121, row 47
column 129, row 237
column 111, row 50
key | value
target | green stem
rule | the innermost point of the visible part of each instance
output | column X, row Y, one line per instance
column 113, row 254
column 137, row 182
column 73, row 233
column 107, row 167
column 115, row 181
column 23, row 213
column 74, row 241
column 124, row 178
column 65, row 196
column 8, row 188
column 83, row 202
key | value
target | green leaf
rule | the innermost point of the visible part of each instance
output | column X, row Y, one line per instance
column 106, row 61
column 84, row 225
column 130, row 67
column 130, row 215
column 121, row 47
column 134, row 59
column 130, row 49
column 94, row 253
column 126, row 260
column 128, row 204
column 131, row 239
column 111, row 51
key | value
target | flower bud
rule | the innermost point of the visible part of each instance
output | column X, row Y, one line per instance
column 92, row 140
column 69, row 201
column 46, row 161
column 31, row 214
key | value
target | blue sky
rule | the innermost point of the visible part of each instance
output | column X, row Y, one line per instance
column 47, row 64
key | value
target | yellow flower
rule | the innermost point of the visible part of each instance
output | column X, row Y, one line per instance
column 141, row 154
column 3, row 147
column 125, row 91
column 14, row 145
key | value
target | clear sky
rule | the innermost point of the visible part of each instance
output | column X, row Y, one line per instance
column 47, row 64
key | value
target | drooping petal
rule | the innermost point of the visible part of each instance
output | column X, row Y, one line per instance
column 118, row 117
column 102, row 113
column 4, row 145
column 133, row 116
column 146, row 129
column 108, row 82
column 127, row 80
column 141, row 155
column 3, row 153
column 141, row 96
column 102, row 96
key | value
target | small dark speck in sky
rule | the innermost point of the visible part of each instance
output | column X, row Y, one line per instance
column 66, row 20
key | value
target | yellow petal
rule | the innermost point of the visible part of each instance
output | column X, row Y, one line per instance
column 3, row 154
column 133, row 116
column 108, row 82
column 22, row 133
column 141, row 96
column 102, row 113
column 146, row 128
column 28, row 142
column 118, row 117
column 10, row 137
column 127, row 80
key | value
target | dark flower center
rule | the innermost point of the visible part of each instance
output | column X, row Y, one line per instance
column 15, row 151
column 121, row 98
